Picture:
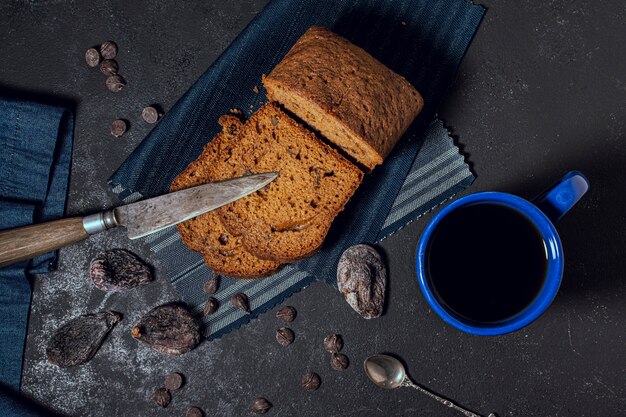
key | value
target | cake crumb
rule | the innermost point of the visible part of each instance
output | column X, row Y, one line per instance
column 403, row 23
column 235, row 111
column 255, row 89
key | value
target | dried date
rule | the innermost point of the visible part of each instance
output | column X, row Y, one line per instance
column 118, row 269
column 78, row 340
column 362, row 278
column 169, row 329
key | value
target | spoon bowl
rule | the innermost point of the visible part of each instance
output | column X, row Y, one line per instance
column 384, row 371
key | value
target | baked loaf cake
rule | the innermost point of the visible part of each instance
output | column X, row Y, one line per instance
column 290, row 217
column 347, row 95
column 223, row 252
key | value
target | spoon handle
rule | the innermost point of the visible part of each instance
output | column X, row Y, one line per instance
column 408, row 383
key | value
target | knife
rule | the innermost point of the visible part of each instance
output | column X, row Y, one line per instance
column 140, row 219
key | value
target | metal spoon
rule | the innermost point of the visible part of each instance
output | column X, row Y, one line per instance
column 387, row 372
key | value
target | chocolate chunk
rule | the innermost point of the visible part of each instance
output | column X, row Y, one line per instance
column 339, row 361
column 78, row 340
column 169, row 329
column 240, row 300
column 115, row 83
column 162, row 397
column 211, row 306
column 174, row 381
column 108, row 50
column 118, row 269
column 150, row 115
column 286, row 314
column 362, row 278
column 194, row 412
column 261, row 406
column 118, row 128
column 285, row 336
column 92, row 57
column 333, row 343
column 108, row 67
column 212, row 285
column 311, row 381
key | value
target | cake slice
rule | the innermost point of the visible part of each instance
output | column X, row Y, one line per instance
column 347, row 95
column 289, row 218
column 223, row 252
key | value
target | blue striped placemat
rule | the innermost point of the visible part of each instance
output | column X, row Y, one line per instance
column 422, row 40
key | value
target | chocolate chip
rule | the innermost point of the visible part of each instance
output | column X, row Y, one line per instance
column 174, row 381
column 92, row 57
column 118, row 269
column 286, row 314
column 194, row 412
column 362, row 278
column 162, row 397
column 333, row 343
column 223, row 239
column 118, row 128
column 212, row 285
column 261, row 406
column 169, row 329
column 240, row 300
column 285, row 336
column 339, row 361
column 150, row 115
column 108, row 50
column 115, row 83
column 311, row 381
column 108, row 67
column 211, row 306
column 78, row 340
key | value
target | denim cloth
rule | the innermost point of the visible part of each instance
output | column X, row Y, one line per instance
column 423, row 40
column 35, row 159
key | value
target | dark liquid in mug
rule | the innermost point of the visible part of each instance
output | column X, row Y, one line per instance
column 486, row 262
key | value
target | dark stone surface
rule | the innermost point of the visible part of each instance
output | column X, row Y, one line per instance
column 541, row 91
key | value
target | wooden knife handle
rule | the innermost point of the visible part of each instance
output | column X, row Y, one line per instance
column 30, row 241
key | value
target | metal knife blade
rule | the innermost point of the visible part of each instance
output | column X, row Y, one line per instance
column 148, row 216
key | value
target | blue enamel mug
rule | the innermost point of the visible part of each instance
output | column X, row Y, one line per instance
column 542, row 212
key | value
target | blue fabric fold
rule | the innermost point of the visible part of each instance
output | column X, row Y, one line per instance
column 423, row 40
column 35, row 159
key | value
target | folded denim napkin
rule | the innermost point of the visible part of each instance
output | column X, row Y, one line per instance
column 423, row 40
column 35, row 158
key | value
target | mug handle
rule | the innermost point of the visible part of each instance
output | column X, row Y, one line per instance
column 562, row 196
